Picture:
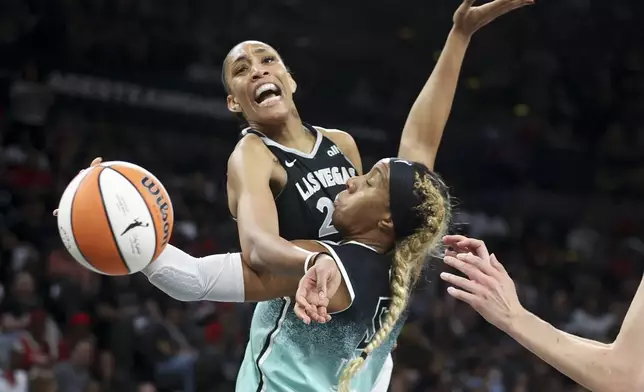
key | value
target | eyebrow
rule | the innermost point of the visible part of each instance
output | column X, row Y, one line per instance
column 380, row 171
column 244, row 57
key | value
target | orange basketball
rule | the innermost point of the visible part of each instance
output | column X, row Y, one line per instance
column 115, row 218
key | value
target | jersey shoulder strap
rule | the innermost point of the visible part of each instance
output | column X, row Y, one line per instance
column 365, row 271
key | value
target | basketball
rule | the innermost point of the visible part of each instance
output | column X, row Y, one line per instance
column 115, row 218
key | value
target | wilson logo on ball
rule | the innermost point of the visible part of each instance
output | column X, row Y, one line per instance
column 162, row 203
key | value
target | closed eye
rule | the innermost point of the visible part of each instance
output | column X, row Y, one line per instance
column 239, row 70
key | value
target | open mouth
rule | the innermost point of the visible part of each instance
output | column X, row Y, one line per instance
column 266, row 94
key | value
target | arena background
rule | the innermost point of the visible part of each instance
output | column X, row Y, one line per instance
column 543, row 150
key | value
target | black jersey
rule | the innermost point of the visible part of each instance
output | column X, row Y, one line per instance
column 305, row 204
column 285, row 354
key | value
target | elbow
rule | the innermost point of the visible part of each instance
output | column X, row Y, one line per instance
column 635, row 377
column 252, row 252
column 625, row 374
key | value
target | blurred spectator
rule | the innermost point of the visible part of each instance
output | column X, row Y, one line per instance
column 169, row 350
column 43, row 380
column 543, row 152
column 13, row 377
column 21, row 300
column 74, row 374
column 40, row 340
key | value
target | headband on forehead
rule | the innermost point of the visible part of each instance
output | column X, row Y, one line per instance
column 403, row 197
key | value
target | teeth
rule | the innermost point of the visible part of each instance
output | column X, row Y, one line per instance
column 269, row 101
column 264, row 88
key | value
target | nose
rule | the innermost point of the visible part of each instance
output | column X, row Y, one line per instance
column 259, row 72
column 353, row 183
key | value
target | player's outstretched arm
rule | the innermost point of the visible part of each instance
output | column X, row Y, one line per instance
column 597, row 366
column 227, row 277
column 252, row 203
column 426, row 121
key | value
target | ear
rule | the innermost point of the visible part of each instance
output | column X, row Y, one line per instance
column 386, row 224
column 233, row 105
column 292, row 84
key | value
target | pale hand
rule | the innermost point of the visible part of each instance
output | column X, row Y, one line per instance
column 96, row 161
column 468, row 19
column 320, row 283
column 489, row 289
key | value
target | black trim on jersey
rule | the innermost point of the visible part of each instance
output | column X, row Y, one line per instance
column 267, row 344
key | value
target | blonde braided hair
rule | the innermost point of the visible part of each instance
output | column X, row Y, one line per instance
column 409, row 257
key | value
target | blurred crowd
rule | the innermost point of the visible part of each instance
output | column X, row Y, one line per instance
column 544, row 153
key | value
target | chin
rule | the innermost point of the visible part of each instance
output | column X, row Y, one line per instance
column 336, row 221
column 273, row 115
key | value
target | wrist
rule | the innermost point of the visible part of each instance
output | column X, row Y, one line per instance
column 314, row 258
column 459, row 34
column 518, row 321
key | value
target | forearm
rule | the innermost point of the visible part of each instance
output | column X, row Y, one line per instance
column 186, row 278
column 584, row 340
column 591, row 364
column 430, row 111
column 272, row 253
column 221, row 277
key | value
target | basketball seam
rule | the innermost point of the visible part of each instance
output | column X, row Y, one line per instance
column 154, row 226
column 71, row 225
column 109, row 222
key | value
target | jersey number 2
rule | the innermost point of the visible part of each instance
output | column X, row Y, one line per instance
column 325, row 206
column 376, row 323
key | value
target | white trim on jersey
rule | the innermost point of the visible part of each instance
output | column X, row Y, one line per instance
column 270, row 142
column 271, row 341
column 345, row 276
column 384, row 378
column 361, row 244
column 320, row 129
column 351, row 242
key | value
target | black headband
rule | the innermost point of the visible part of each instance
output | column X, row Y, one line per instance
column 404, row 199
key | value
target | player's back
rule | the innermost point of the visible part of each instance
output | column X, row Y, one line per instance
column 306, row 358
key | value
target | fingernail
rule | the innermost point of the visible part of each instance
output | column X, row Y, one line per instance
column 443, row 275
column 461, row 256
column 451, row 290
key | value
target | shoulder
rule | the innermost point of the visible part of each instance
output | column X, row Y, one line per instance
column 365, row 272
column 346, row 143
column 249, row 147
column 357, row 260
column 337, row 136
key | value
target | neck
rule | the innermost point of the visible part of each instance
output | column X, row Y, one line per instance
column 290, row 133
column 377, row 241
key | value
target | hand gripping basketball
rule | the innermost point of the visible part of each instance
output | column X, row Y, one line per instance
column 97, row 161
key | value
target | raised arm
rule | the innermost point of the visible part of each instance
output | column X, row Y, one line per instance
column 597, row 366
column 426, row 121
column 251, row 202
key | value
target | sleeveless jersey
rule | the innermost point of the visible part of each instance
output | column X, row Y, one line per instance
column 310, row 358
column 305, row 204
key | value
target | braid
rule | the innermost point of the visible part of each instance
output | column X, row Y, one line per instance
column 408, row 263
column 400, row 281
